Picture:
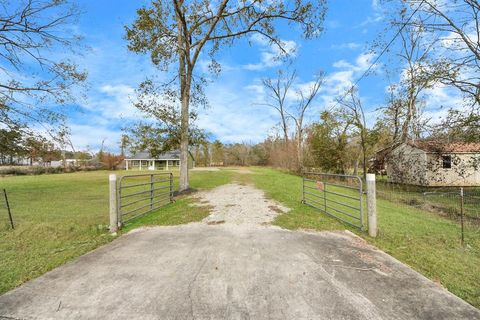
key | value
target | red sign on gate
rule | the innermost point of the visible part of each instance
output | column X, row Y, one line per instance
column 320, row 185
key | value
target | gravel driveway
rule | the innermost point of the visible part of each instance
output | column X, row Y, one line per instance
column 233, row 265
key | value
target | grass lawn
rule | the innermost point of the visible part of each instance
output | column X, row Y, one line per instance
column 60, row 217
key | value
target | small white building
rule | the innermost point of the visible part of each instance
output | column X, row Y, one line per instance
column 165, row 161
column 429, row 163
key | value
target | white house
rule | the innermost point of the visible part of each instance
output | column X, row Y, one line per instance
column 429, row 163
column 165, row 161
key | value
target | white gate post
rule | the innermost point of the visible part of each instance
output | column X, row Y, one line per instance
column 371, row 205
column 113, row 203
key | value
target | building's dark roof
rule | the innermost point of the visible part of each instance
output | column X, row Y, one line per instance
column 167, row 155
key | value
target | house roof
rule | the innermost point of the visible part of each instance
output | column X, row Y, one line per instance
column 433, row 146
column 167, row 155
column 436, row 146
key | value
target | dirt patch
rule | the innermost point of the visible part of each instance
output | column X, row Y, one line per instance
column 276, row 209
column 205, row 169
column 237, row 204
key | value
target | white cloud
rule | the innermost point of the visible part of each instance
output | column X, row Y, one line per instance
column 270, row 53
column 90, row 136
column 113, row 102
column 376, row 17
column 346, row 45
column 234, row 115
column 338, row 82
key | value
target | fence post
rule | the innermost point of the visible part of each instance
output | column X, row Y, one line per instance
column 371, row 205
column 152, row 191
column 113, row 203
column 171, row 187
column 461, row 215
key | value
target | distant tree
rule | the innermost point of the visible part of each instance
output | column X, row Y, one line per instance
column 218, row 154
column 32, row 33
column 327, row 142
column 459, row 126
column 111, row 161
column 124, row 143
column 177, row 33
column 11, row 144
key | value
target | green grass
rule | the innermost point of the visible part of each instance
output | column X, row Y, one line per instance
column 62, row 216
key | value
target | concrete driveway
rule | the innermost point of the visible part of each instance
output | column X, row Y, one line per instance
column 234, row 265
column 200, row 271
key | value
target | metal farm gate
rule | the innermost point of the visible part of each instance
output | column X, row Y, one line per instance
column 338, row 195
column 142, row 193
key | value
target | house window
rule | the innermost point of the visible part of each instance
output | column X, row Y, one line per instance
column 446, row 162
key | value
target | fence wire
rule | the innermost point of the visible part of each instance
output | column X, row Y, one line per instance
column 444, row 202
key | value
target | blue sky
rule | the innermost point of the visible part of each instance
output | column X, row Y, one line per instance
column 341, row 52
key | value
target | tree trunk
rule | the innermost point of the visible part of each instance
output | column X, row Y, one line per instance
column 285, row 130
column 184, row 181
column 299, row 150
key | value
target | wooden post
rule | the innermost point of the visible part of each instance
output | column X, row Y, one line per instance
column 113, row 203
column 371, row 205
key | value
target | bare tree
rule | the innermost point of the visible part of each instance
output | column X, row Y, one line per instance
column 306, row 97
column 291, row 104
column 277, row 90
column 31, row 75
column 354, row 111
column 453, row 27
column 177, row 32
column 419, row 71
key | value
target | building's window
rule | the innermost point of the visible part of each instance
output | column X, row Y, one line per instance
column 446, row 162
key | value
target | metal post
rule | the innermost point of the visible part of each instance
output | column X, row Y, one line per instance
column 8, row 208
column 360, row 197
column 371, row 205
column 171, row 187
column 325, row 195
column 303, row 189
column 152, row 194
column 461, row 214
column 114, row 221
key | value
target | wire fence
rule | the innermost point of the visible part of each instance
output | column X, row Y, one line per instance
column 460, row 205
column 446, row 202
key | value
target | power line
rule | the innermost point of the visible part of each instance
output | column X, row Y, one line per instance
column 404, row 24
